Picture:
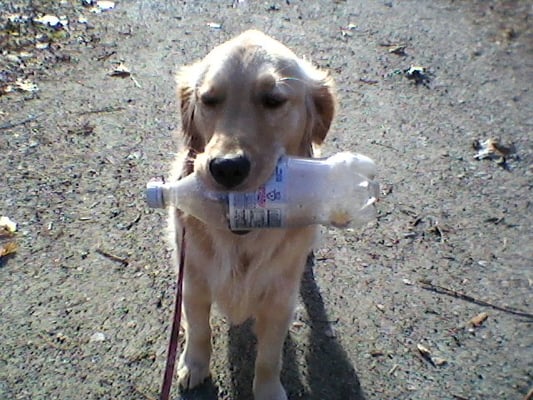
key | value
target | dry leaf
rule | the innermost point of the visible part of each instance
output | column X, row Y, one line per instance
column 105, row 5
column 479, row 319
column 7, row 226
column 4, row 232
column 298, row 324
column 17, row 18
column 426, row 354
column 439, row 361
column 491, row 148
column 99, row 6
column 423, row 350
column 377, row 353
column 419, row 74
column 50, row 20
column 8, row 248
column 398, row 49
column 5, row 89
column 25, row 85
column 121, row 71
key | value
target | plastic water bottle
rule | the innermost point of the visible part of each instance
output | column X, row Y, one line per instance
column 339, row 191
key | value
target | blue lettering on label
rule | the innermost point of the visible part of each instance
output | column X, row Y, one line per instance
column 273, row 195
column 279, row 174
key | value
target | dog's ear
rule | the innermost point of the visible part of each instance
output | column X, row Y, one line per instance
column 324, row 102
column 187, row 80
column 321, row 103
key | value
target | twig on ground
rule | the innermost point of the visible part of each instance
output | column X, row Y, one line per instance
column 113, row 257
column 105, row 56
column 368, row 81
column 9, row 125
column 458, row 397
column 107, row 109
column 384, row 145
column 132, row 223
column 458, row 295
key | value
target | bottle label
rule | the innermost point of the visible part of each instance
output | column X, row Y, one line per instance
column 264, row 208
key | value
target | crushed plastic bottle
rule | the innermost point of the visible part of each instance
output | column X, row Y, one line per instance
column 339, row 191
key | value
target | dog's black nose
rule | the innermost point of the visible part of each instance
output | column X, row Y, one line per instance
column 230, row 172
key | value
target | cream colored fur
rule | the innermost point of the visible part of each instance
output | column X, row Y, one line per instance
column 226, row 108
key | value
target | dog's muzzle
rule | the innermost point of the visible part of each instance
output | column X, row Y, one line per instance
column 230, row 171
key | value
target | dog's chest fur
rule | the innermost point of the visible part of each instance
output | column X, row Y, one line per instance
column 241, row 271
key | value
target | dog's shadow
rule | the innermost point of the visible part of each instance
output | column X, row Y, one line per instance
column 328, row 373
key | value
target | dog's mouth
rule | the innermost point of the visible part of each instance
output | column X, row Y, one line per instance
column 240, row 233
column 242, row 171
column 250, row 184
column 240, row 178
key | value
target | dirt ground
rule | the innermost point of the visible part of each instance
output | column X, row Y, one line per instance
column 86, row 300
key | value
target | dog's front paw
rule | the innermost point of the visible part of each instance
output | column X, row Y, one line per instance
column 191, row 373
column 269, row 391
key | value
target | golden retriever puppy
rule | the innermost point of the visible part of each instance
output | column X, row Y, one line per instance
column 249, row 101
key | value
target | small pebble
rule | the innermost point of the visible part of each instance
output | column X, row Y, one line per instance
column 97, row 337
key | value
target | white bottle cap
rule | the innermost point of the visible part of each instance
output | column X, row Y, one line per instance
column 154, row 194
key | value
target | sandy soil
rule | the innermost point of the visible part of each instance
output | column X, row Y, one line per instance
column 85, row 301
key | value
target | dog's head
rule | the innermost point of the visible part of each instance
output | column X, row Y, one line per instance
column 249, row 101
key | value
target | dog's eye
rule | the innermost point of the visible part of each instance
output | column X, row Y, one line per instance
column 210, row 100
column 273, row 100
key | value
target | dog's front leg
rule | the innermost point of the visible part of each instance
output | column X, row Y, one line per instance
column 272, row 323
column 193, row 366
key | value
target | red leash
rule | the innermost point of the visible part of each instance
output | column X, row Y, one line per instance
column 176, row 321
